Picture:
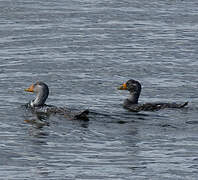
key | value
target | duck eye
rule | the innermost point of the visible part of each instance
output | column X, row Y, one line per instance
column 134, row 86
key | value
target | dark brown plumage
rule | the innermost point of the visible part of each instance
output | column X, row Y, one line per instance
column 131, row 103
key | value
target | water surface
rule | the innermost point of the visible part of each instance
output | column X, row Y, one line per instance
column 84, row 50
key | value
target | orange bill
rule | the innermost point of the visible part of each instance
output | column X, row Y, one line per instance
column 30, row 89
column 123, row 87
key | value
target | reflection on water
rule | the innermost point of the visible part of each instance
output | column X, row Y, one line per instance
column 39, row 120
column 84, row 50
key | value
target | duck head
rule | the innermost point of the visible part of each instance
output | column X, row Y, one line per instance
column 134, row 87
column 41, row 90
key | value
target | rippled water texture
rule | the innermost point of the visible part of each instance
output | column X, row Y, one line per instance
column 84, row 50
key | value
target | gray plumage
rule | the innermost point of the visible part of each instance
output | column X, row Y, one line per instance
column 38, row 104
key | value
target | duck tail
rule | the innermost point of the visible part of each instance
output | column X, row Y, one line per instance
column 183, row 105
column 82, row 115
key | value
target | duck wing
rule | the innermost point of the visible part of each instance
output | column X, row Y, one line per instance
column 70, row 114
column 155, row 106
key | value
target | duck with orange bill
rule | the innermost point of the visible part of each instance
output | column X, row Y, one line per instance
column 132, row 104
column 38, row 103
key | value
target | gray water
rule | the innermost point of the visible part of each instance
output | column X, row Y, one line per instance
column 84, row 50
